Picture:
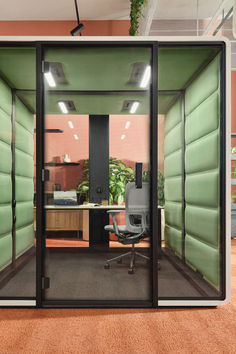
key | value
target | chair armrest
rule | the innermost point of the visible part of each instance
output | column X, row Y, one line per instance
column 113, row 215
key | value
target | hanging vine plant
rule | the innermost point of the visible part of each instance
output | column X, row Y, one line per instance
column 135, row 14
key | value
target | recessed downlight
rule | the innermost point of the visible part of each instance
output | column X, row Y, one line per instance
column 122, row 136
column 76, row 137
column 134, row 107
column 127, row 124
column 71, row 125
column 63, row 107
column 146, row 77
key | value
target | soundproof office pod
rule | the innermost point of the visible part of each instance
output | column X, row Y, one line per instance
column 83, row 232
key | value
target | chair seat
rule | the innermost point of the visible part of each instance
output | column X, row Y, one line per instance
column 121, row 228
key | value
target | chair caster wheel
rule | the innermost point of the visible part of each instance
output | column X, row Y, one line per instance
column 130, row 271
column 120, row 261
column 107, row 266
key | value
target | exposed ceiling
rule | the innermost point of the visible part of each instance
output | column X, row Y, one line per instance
column 101, row 9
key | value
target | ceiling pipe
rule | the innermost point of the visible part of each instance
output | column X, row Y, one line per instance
column 216, row 15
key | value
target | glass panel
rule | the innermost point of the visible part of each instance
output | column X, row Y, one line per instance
column 189, row 158
column 97, row 103
column 17, row 174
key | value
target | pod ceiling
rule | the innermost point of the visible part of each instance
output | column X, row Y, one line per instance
column 102, row 80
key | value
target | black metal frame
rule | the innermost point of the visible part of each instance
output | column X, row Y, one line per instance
column 153, row 129
column 40, row 184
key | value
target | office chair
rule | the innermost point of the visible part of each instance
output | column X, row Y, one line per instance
column 137, row 223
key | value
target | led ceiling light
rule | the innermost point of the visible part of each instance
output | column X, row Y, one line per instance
column 63, row 107
column 134, row 107
column 80, row 26
column 127, row 124
column 146, row 77
column 50, row 79
column 71, row 125
column 76, row 137
column 122, row 137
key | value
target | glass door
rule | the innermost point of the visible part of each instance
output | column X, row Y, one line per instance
column 97, row 175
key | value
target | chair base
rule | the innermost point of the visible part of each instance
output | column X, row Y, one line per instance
column 133, row 253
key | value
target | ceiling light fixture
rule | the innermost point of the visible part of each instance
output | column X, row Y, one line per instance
column 80, row 26
column 127, row 124
column 134, row 107
column 50, row 79
column 146, row 77
column 63, row 107
column 76, row 137
column 122, row 137
column 71, row 125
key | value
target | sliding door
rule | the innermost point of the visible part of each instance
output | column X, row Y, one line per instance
column 97, row 133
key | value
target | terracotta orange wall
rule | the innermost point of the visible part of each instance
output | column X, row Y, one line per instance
column 63, row 28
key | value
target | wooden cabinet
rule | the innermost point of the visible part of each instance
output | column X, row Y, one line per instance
column 68, row 220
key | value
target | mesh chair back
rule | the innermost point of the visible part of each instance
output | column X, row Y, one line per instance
column 137, row 207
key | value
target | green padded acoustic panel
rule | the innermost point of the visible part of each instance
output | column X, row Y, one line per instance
column 173, row 177
column 202, row 247
column 5, row 176
column 24, row 169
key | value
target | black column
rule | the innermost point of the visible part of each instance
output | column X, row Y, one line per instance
column 98, row 177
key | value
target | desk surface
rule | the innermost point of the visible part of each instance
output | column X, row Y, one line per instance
column 84, row 207
column 88, row 207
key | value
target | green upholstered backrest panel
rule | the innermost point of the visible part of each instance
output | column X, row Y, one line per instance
column 202, row 173
column 173, row 177
column 24, row 169
column 5, row 176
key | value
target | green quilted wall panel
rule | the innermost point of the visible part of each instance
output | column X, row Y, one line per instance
column 173, row 177
column 203, row 189
column 203, row 258
column 173, row 214
column 202, row 120
column 203, row 223
column 173, row 189
column 202, row 173
column 6, row 98
column 173, row 238
column 5, row 131
column 5, row 176
column 203, row 86
column 6, row 189
column 5, row 158
column 24, row 239
column 173, row 117
column 173, row 164
column 24, row 214
column 6, row 219
column 173, row 140
column 202, row 155
column 5, row 251
column 24, row 166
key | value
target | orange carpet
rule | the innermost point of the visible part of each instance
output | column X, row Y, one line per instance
column 121, row 331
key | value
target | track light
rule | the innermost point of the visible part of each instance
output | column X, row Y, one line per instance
column 77, row 29
column 80, row 26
